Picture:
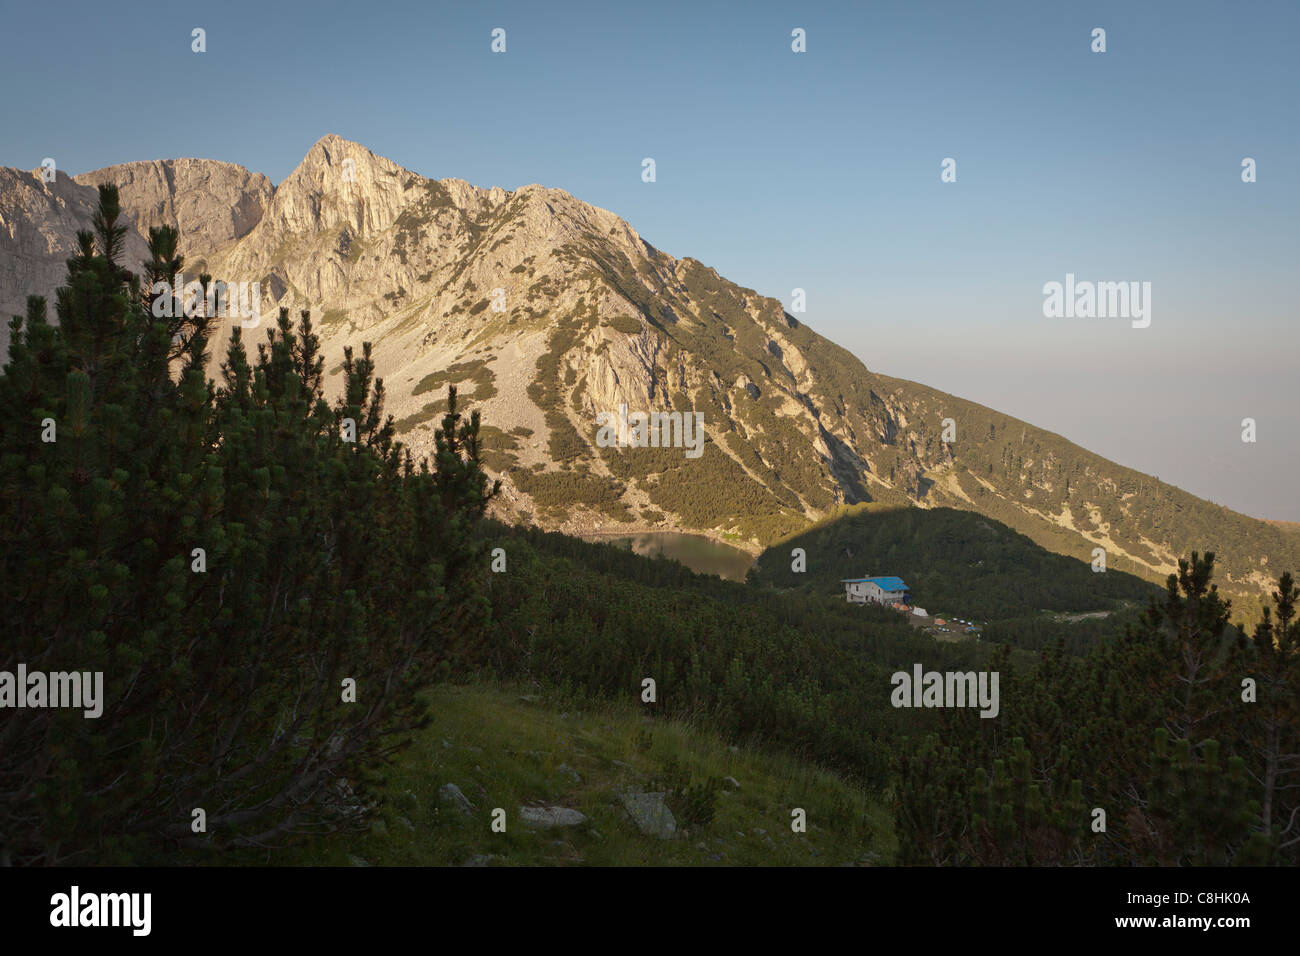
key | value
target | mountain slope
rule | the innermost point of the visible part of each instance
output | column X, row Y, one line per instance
column 547, row 312
column 504, row 749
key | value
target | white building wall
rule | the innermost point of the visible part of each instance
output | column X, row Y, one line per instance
column 861, row 592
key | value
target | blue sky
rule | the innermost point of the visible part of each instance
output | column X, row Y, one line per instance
column 817, row 170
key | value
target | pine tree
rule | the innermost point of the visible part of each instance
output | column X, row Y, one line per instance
column 227, row 558
column 1275, row 740
column 1151, row 728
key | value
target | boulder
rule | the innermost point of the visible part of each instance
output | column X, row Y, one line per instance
column 450, row 793
column 551, row 817
column 651, row 815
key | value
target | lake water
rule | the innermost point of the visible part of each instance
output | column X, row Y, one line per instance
column 700, row 554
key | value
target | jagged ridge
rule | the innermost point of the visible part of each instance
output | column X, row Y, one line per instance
column 547, row 311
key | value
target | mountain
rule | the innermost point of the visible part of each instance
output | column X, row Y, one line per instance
column 547, row 312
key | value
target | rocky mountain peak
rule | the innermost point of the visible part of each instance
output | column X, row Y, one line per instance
column 548, row 312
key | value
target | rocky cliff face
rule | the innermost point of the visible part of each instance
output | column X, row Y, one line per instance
column 210, row 204
column 548, row 312
column 38, row 233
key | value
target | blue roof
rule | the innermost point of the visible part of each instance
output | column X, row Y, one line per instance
column 889, row 584
column 885, row 584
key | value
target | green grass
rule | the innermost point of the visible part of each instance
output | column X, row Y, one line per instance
column 475, row 372
column 572, row 487
column 504, row 751
column 431, row 410
column 625, row 324
column 497, row 448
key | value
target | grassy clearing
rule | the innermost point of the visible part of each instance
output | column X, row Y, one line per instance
column 507, row 749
